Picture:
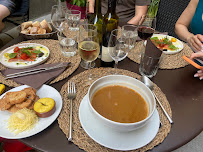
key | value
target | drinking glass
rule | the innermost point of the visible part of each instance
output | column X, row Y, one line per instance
column 146, row 27
column 67, row 44
column 131, row 32
column 73, row 19
column 118, row 46
column 58, row 16
column 88, row 44
column 83, row 63
column 149, row 65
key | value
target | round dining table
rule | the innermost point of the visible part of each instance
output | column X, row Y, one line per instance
column 183, row 91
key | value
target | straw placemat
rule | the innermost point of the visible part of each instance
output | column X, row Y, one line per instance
column 170, row 61
column 55, row 57
column 80, row 138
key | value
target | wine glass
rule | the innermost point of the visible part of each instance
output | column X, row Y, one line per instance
column 118, row 46
column 58, row 16
column 146, row 27
column 83, row 63
column 88, row 44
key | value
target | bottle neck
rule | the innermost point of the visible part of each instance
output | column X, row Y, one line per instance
column 97, row 7
column 112, row 6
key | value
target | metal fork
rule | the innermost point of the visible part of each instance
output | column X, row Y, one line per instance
column 71, row 96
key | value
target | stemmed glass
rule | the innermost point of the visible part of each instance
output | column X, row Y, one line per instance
column 58, row 16
column 83, row 63
column 146, row 27
column 88, row 44
column 118, row 46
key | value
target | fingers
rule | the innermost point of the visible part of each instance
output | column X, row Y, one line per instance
column 196, row 42
column 196, row 55
column 199, row 74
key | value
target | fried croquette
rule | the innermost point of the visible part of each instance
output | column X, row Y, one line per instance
column 31, row 93
column 4, row 105
column 31, row 107
column 13, row 109
column 16, row 97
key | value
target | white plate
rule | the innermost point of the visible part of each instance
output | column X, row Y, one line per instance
column 26, row 64
column 43, row 123
column 113, row 139
column 178, row 43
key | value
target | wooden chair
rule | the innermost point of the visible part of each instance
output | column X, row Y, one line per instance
column 168, row 13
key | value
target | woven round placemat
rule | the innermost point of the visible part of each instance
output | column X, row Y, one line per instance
column 80, row 138
column 55, row 57
column 170, row 61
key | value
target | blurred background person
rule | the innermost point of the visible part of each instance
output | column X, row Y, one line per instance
column 192, row 16
column 128, row 11
column 6, row 8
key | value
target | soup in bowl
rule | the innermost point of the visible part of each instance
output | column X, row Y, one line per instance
column 121, row 102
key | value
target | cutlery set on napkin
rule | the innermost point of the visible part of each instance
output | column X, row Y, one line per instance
column 36, row 76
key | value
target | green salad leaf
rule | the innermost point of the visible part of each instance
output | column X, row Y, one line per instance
column 12, row 55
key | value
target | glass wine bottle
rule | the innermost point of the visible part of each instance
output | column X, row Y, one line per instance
column 97, row 19
column 110, row 22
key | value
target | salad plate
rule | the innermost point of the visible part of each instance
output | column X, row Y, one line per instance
column 24, row 55
column 113, row 139
column 43, row 123
column 169, row 44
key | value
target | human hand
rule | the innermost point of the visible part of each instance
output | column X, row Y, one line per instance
column 199, row 72
column 196, row 42
column 91, row 6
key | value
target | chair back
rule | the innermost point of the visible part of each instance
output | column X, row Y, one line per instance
column 168, row 13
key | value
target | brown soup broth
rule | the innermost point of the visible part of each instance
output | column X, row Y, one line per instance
column 119, row 103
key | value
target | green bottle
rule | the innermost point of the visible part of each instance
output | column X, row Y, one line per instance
column 97, row 19
column 110, row 22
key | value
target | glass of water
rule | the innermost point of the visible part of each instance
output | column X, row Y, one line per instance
column 67, row 44
column 58, row 16
column 73, row 19
column 131, row 32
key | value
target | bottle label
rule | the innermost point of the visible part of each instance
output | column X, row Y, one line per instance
column 105, row 54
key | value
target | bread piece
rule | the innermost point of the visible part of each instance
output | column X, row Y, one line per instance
column 33, row 30
column 26, row 25
column 36, row 24
column 41, row 31
column 45, row 25
column 26, row 31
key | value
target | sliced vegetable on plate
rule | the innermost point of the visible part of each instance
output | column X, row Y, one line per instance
column 25, row 55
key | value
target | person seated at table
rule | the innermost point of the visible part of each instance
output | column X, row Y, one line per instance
column 193, row 16
column 6, row 8
column 198, row 54
column 128, row 11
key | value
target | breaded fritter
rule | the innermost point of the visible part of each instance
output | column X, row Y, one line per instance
column 4, row 105
column 31, row 93
column 16, row 97
column 31, row 107
column 13, row 109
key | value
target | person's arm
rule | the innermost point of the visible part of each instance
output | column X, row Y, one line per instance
column 181, row 27
column 91, row 6
column 139, row 11
column 198, row 55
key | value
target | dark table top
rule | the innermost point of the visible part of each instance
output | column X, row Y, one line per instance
column 183, row 91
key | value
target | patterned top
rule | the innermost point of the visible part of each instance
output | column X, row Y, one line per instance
column 125, row 9
column 197, row 20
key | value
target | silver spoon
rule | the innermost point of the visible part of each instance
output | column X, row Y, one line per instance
column 150, row 85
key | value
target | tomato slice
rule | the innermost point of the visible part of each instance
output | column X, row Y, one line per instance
column 24, row 56
column 16, row 49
